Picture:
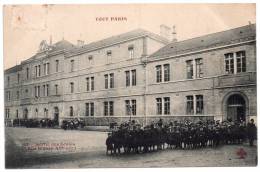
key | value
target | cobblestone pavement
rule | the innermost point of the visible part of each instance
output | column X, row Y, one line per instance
column 56, row 148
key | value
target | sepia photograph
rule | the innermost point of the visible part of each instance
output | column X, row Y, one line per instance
column 129, row 85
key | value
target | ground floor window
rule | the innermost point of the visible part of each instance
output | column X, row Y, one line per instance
column 90, row 109
column 108, row 108
column 130, row 106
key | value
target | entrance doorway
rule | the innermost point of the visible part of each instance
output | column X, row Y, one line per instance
column 236, row 108
column 56, row 115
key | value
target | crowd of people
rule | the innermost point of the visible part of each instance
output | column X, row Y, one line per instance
column 35, row 123
column 131, row 137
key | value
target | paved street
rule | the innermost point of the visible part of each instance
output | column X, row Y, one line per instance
column 56, row 148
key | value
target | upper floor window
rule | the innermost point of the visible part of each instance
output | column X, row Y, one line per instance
column 8, row 95
column 56, row 65
column 87, row 83
column 127, row 78
column 92, row 83
column 71, row 111
column 131, row 51
column 36, row 71
column 166, row 72
column 39, row 70
column 71, row 87
column 56, row 90
column 17, row 95
column 72, row 65
column 27, row 73
column 18, row 77
column 111, row 75
column 109, row 82
column 159, row 73
column 17, row 114
column 106, row 81
column 90, row 59
column 133, row 77
column 8, row 81
column 235, row 62
column 189, row 64
column 199, row 68
column 109, row 56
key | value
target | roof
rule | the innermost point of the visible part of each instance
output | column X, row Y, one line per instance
column 116, row 39
column 13, row 69
column 62, row 45
column 227, row 37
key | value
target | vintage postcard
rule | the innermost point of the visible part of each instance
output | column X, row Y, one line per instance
column 130, row 85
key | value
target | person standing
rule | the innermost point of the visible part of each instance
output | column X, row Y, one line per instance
column 251, row 132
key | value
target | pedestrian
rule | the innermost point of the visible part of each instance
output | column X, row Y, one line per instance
column 251, row 132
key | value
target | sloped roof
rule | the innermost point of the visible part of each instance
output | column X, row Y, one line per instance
column 231, row 36
column 62, row 45
column 13, row 69
column 116, row 39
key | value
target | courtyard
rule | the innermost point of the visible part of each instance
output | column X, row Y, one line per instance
column 56, row 148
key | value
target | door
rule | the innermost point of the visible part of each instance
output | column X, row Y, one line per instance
column 236, row 108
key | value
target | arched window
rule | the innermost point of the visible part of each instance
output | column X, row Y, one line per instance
column 71, row 111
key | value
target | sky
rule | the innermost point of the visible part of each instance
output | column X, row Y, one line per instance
column 25, row 26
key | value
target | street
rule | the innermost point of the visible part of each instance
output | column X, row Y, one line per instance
column 56, row 148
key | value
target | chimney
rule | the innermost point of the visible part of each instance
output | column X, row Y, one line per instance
column 80, row 43
column 174, row 34
column 165, row 31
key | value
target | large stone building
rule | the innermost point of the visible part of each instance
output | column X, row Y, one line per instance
column 140, row 75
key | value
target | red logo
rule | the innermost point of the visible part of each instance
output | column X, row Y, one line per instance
column 241, row 153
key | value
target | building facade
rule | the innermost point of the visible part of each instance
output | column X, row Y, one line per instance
column 138, row 75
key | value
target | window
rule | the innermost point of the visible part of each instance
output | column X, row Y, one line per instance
column 35, row 91
column 199, row 69
column 39, row 70
column 27, row 73
column 199, row 104
column 166, row 72
column 158, row 73
column 91, row 109
column 47, row 70
column 106, row 81
column 72, row 65
column 241, row 61
column 108, row 108
column 44, row 90
column 130, row 106
column 131, row 51
column 90, row 59
column 71, row 111
column 17, row 95
column 229, row 60
column 56, row 65
column 133, row 77
column 56, row 89
column 47, row 90
column 111, row 75
column 36, row 112
column 87, row 82
column 8, row 95
column 8, row 81
column 45, row 113
column 189, row 64
column 159, row 106
column 44, row 68
column 38, row 91
column 92, row 83
column 127, row 77
column 189, row 108
column 105, row 108
column 109, row 56
column 7, row 113
column 133, row 107
column 71, row 87
column 17, row 114
column 18, row 77
column 111, row 108
column 36, row 71
column 166, row 105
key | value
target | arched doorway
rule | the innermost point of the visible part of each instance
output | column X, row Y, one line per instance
column 56, row 115
column 25, row 113
column 236, row 107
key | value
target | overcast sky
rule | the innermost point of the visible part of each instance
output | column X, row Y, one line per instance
column 26, row 26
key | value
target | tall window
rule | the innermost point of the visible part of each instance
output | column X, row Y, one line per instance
column 190, row 108
column 199, row 68
column 167, row 105
column 17, row 95
column 72, row 65
column 90, row 59
column 56, row 65
column 27, row 73
column 127, row 107
column 109, row 108
column 131, row 51
column 56, row 90
column 44, row 90
column 130, row 107
column 134, row 107
column 92, row 83
column 106, row 81
column 189, row 64
column 45, row 113
column 229, row 60
column 105, row 108
column 127, row 78
column 39, row 70
column 133, row 77
column 159, row 106
column 166, row 72
column 17, row 114
column 47, row 90
column 109, row 56
column 47, row 68
column 199, row 104
column 18, row 77
column 90, row 109
column 38, row 91
column 159, row 73
column 36, row 71
column 241, row 61
column 8, row 95
column 87, row 82
column 36, row 113
column 111, row 75
column 71, row 111
column 71, row 87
